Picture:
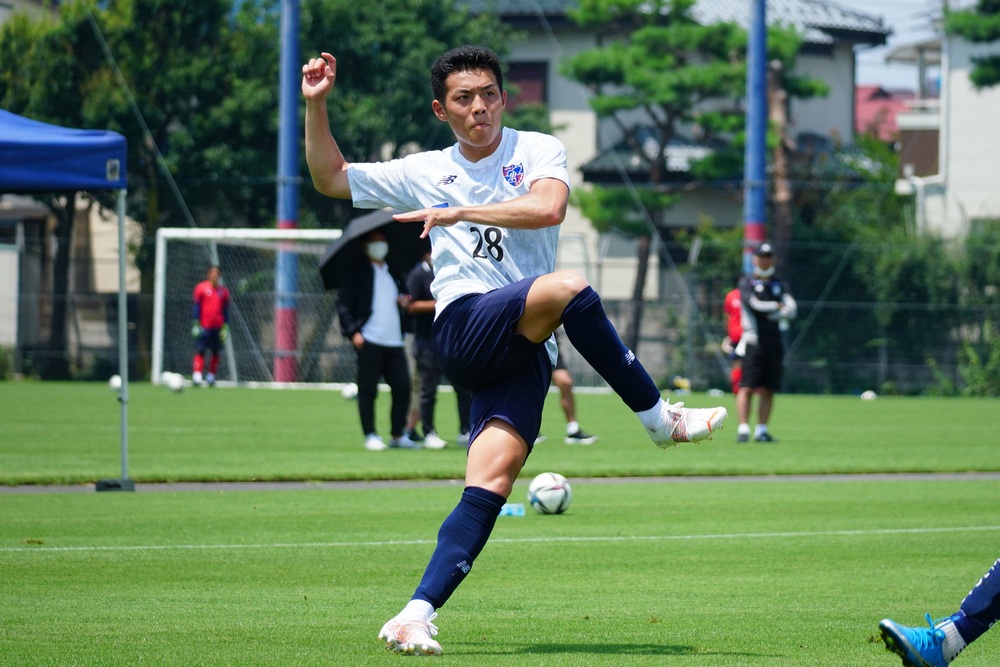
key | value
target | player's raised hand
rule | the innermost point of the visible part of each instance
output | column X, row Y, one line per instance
column 318, row 76
column 431, row 217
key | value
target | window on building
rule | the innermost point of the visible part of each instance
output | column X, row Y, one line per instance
column 530, row 81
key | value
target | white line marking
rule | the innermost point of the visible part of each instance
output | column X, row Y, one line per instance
column 511, row 540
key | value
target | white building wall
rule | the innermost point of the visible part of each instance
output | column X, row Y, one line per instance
column 610, row 267
column 832, row 115
column 10, row 270
column 970, row 144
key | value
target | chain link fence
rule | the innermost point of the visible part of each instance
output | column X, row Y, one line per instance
column 840, row 342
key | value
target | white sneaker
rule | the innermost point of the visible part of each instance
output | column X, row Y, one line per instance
column 433, row 441
column 374, row 442
column 411, row 636
column 404, row 442
column 679, row 424
column 210, row 379
column 462, row 440
column 196, row 378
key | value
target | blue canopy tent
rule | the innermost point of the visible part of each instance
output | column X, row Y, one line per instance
column 39, row 157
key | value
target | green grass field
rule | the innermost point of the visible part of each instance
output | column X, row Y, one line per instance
column 696, row 571
column 70, row 433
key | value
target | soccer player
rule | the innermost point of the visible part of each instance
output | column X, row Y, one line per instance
column 563, row 381
column 210, row 326
column 421, row 310
column 941, row 642
column 768, row 305
column 734, row 331
column 491, row 204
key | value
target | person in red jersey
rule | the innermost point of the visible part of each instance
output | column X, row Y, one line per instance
column 734, row 331
column 210, row 326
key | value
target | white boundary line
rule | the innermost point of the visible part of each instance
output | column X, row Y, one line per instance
column 510, row 540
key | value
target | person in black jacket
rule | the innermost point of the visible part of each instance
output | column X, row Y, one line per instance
column 372, row 311
column 768, row 306
column 421, row 309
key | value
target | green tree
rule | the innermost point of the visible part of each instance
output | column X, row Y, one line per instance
column 979, row 25
column 381, row 107
column 177, row 81
column 658, row 61
column 194, row 89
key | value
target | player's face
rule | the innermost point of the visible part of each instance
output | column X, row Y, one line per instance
column 763, row 264
column 213, row 275
column 473, row 107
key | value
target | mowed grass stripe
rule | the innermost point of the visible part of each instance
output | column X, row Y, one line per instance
column 517, row 540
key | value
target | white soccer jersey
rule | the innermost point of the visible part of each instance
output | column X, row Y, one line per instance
column 471, row 258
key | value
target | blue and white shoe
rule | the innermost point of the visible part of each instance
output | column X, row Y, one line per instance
column 918, row 647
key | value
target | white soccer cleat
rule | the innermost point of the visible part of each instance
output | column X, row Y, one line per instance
column 411, row 636
column 433, row 441
column 679, row 424
column 196, row 378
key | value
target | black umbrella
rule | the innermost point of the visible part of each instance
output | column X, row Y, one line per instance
column 406, row 248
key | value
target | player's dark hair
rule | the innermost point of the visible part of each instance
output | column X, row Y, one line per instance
column 463, row 59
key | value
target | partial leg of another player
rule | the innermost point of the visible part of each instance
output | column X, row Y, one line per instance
column 941, row 641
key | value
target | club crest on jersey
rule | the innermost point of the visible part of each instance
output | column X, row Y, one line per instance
column 514, row 174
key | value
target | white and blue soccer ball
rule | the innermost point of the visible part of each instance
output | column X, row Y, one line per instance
column 115, row 382
column 349, row 391
column 550, row 493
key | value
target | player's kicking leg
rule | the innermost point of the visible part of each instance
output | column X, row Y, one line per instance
column 594, row 336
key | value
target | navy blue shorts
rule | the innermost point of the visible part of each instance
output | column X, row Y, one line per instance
column 209, row 340
column 508, row 374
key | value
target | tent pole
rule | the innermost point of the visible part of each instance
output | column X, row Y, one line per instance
column 124, row 483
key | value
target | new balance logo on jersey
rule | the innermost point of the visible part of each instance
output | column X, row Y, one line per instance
column 464, row 567
column 447, row 179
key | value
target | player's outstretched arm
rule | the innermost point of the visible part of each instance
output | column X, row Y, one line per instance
column 327, row 165
column 543, row 206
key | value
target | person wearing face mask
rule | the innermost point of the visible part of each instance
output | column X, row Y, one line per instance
column 767, row 307
column 372, row 311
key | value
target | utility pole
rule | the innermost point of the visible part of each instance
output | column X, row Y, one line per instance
column 754, row 173
column 286, row 281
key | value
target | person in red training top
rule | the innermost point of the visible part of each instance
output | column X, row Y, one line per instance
column 734, row 331
column 210, row 326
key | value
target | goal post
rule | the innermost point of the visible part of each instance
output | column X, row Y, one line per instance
column 248, row 260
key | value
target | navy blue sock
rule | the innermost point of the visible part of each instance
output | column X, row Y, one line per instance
column 587, row 326
column 461, row 537
column 981, row 607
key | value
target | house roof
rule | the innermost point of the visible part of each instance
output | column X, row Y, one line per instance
column 820, row 22
column 681, row 153
column 827, row 159
column 876, row 108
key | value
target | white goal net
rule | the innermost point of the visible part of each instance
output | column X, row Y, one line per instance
column 249, row 259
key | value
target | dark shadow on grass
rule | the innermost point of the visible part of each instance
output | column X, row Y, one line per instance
column 471, row 648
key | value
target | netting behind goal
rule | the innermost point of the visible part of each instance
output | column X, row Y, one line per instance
column 248, row 259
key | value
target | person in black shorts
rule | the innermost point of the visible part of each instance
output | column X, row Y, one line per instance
column 491, row 204
column 768, row 301
column 562, row 379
